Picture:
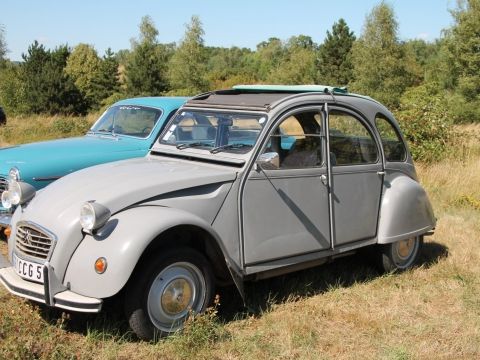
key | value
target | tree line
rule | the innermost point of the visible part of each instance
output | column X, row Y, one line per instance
column 378, row 64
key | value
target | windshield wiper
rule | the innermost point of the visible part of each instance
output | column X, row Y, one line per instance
column 229, row 146
column 194, row 144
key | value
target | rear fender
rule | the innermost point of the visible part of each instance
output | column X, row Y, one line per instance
column 405, row 210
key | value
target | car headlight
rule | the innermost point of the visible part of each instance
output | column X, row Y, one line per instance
column 93, row 216
column 18, row 193
column 14, row 174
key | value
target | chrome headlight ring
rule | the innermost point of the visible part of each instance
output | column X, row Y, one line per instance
column 93, row 216
column 18, row 193
column 14, row 174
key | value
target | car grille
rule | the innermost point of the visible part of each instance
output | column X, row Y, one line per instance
column 3, row 184
column 33, row 242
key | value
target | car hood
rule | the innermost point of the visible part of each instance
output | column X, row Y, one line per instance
column 121, row 184
column 60, row 157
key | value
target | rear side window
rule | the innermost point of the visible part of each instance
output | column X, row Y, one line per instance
column 393, row 146
column 350, row 141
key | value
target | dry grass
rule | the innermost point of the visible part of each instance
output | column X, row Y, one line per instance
column 344, row 310
column 21, row 130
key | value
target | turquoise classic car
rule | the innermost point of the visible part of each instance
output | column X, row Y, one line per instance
column 125, row 130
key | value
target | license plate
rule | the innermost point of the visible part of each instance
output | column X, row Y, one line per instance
column 28, row 270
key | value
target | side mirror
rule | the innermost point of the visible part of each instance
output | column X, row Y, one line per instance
column 269, row 161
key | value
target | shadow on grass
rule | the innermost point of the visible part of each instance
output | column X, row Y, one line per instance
column 260, row 295
column 341, row 273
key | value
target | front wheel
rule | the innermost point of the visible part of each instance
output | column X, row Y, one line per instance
column 400, row 255
column 164, row 293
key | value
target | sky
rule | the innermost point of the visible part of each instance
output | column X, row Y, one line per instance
column 244, row 23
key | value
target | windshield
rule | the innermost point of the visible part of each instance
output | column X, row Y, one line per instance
column 215, row 131
column 131, row 120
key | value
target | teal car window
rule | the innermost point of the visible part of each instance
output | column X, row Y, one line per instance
column 214, row 131
column 137, row 121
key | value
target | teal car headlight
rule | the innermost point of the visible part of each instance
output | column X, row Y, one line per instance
column 18, row 193
column 93, row 216
column 6, row 202
column 14, row 174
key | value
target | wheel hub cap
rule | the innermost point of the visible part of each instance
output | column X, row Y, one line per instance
column 176, row 297
column 405, row 247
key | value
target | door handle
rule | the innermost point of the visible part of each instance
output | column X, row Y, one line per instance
column 324, row 179
column 381, row 172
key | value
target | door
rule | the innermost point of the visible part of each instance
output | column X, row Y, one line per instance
column 285, row 208
column 357, row 177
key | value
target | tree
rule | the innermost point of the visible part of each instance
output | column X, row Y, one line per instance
column 106, row 83
column 297, row 65
column 146, row 67
column 47, row 88
column 82, row 66
column 187, row 66
column 268, row 56
column 379, row 67
column 3, row 44
column 334, row 56
column 463, row 46
column 228, row 67
column 11, row 89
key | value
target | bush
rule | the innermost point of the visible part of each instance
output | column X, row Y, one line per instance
column 70, row 126
column 426, row 120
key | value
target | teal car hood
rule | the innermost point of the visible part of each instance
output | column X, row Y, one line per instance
column 43, row 162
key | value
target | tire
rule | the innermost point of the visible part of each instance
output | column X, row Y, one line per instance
column 400, row 255
column 163, row 293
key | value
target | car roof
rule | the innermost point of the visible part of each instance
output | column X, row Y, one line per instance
column 167, row 103
column 264, row 97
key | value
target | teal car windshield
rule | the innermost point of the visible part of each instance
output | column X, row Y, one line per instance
column 215, row 131
column 131, row 120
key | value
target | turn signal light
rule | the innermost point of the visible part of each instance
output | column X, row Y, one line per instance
column 100, row 265
column 7, row 231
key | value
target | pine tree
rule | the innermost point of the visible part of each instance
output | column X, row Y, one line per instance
column 106, row 83
column 334, row 56
column 47, row 88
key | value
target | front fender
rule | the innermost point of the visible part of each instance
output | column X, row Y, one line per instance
column 405, row 210
column 122, row 241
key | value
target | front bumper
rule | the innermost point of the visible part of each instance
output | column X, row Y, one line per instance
column 64, row 299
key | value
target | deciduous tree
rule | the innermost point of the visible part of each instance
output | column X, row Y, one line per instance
column 82, row 66
column 188, row 64
column 379, row 67
column 146, row 67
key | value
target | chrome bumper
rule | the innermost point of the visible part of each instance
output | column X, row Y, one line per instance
column 65, row 299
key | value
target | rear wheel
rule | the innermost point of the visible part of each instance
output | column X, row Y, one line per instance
column 400, row 255
column 166, row 291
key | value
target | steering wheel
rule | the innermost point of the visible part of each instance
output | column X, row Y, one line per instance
column 146, row 130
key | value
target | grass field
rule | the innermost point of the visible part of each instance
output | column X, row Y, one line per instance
column 343, row 310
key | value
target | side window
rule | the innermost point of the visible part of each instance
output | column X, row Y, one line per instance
column 297, row 140
column 350, row 141
column 393, row 146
